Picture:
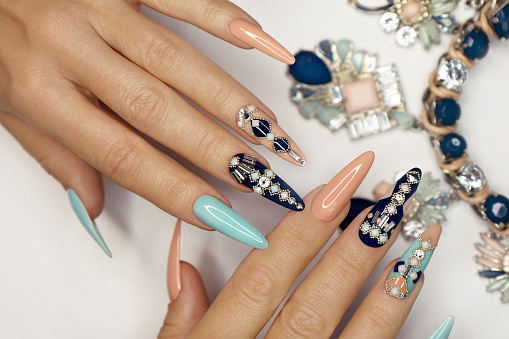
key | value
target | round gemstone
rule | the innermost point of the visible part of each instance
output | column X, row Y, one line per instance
column 398, row 199
column 500, row 22
column 310, row 69
column 453, row 145
column 471, row 178
column 412, row 229
column 476, row 44
column 243, row 115
column 291, row 200
column 497, row 209
column 447, row 112
column 452, row 74
column 406, row 36
column 419, row 254
column 412, row 9
column 389, row 21
column 264, row 182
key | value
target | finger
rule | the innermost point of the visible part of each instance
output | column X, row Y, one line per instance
column 386, row 307
column 264, row 278
column 176, row 63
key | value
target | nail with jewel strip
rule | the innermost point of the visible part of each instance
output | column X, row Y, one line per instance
column 248, row 171
column 385, row 216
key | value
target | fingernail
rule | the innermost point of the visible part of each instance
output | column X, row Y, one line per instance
column 443, row 330
column 85, row 220
column 254, row 36
column 248, row 171
column 255, row 122
column 385, row 216
column 223, row 219
column 173, row 273
column 410, row 267
column 333, row 198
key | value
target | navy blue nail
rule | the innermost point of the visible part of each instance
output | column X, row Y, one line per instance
column 262, row 180
column 383, row 218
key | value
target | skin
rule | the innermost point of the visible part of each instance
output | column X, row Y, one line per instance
column 85, row 85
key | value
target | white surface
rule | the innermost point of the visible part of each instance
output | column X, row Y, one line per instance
column 57, row 283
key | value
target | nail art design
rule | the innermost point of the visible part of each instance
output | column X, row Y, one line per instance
column 89, row 224
column 254, row 36
column 408, row 270
column 263, row 181
column 262, row 129
column 216, row 214
column 381, row 221
column 173, row 278
column 443, row 330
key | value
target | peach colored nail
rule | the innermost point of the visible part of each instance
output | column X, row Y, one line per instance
column 331, row 200
column 254, row 36
column 173, row 274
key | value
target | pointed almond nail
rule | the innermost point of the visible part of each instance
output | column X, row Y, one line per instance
column 333, row 198
column 254, row 36
column 255, row 122
column 443, row 330
column 248, row 171
column 89, row 224
column 173, row 278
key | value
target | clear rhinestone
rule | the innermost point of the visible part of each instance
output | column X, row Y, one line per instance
column 391, row 209
column 299, row 206
column 334, row 95
column 243, row 115
column 355, row 128
column 398, row 198
column 412, row 178
column 234, row 161
column 284, row 195
column 294, row 155
column 264, row 182
column 419, row 254
column 303, row 162
column 471, row 178
column 370, row 63
column 405, row 188
column 412, row 229
column 452, row 74
column 389, row 21
column 338, row 121
column 371, row 124
column 439, row 201
column 299, row 93
column 406, row 36
column 291, row 200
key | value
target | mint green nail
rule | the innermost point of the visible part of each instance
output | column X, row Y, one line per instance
column 443, row 330
column 216, row 214
column 85, row 220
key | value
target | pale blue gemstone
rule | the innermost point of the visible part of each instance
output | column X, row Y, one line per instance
column 404, row 119
column 358, row 60
column 395, row 291
column 299, row 93
column 365, row 227
column 383, row 238
column 343, row 47
column 440, row 201
column 425, row 245
column 325, row 48
column 445, row 7
column 309, row 108
column 255, row 176
column 327, row 113
column 269, row 173
column 375, row 232
column 258, row 190
column 270, row 136
column 274, row 188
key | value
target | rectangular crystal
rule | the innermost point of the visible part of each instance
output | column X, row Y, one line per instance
column 337, row 122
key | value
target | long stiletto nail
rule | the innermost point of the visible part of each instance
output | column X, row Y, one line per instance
column 89, row 224
column 443, row 330
column 335, row 195
column 385, row 216
column 267, row 131
column 248, row 171
column 223, row 219
column 173, row 278
column 254, row 36
column 410, row 267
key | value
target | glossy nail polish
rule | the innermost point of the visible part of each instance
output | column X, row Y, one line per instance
column 89, row 224
column 248, row 171
column 333, row 198
column 385, row 216
column 173, row 278
column 255, row 37
column 216, row 214
column 443, row 330
column 257, row 123
column 410, row 267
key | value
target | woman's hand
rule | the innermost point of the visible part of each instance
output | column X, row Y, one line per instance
column 82, row 81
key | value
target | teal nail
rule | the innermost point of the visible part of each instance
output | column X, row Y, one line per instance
column 443, row 330
column 85, row 220
column 216, row 214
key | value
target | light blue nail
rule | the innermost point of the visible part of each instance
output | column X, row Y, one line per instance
column 216, row 214
column 85, row 220
column 443, row 330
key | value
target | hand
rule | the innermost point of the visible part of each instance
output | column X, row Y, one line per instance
column 80, row 80
column 263, row 279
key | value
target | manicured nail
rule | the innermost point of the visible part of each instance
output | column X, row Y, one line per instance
column 410, row 267
column 223, row 219
column 333, row 198
column 385, row 216
column 173, row 273
column 254, row 36
column 85, row 220
column 248, row 171
column 271, row 136
column 443, row 330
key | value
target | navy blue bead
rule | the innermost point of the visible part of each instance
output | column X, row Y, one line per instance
column 490, row 274
column 310, row 69
column 281, row 145
column 262, row 129
column 357, row 205
column 447, row 112
column 502, row 25
column 453, row 145
column 497, row 209
column 476, row 44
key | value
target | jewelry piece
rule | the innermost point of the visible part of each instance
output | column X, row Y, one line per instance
column 411, row 19
column 261, row 128
column 495, row 259
column 341, row 85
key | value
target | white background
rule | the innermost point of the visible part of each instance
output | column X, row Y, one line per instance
column 55, row 282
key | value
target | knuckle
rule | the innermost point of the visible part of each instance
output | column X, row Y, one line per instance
column 145, row 105
column 213, row 10
column 256, row 290
column 159, row 52
column 122, row 158
column 303, row 319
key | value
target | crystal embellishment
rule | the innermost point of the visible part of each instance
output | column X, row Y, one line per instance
column 471, row 178
column 452, row 74
column 389, row 21
column 406, row 36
